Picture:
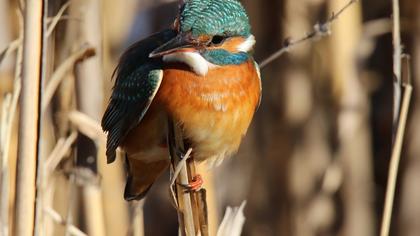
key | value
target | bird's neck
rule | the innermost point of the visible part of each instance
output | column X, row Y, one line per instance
column 222, row 57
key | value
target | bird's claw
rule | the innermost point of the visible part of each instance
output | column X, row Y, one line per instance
column 195, row 185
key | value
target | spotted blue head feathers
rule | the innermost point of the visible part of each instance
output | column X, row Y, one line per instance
column 214, row 17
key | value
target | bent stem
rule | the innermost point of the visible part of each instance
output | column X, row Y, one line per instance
column 396, row 152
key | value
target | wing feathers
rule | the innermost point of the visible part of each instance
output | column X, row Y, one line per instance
column 138, row 78
column 128, row 106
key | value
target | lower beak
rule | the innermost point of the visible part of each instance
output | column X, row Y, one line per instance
column 181, row 41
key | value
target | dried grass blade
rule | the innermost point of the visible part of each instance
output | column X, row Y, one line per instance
column 57, row 18
column 87, row 126
column 14, row 45
column 59, row 74
column 60, row 151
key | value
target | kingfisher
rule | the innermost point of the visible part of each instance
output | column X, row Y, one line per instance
column 201, row 74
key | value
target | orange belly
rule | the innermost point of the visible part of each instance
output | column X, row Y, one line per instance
column 214, row 111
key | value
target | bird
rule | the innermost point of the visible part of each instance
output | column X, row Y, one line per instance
column 201, row 74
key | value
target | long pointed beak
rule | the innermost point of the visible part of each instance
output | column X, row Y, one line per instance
column 181, row 41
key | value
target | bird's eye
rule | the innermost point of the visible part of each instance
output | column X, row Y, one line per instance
column 217, row 39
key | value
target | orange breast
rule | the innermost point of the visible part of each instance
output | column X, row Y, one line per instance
column 215, row 110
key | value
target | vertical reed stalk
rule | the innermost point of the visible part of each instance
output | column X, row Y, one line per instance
column 353, row 125
column 396, row 155
column 184, row 205
column 399, row 119
column 92, row 197
column 137, row 223
column 396, row 41
column 9, row 114
column 89, row 76
column 29, row 118
column 45, row 127
column 191, row 207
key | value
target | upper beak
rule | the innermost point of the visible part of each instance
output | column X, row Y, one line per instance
column 181, row 41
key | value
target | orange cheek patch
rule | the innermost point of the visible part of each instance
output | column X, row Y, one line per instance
column 185, row 50
column 203, row 38
column 231, row 45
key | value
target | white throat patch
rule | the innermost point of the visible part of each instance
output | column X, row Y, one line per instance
column 247, row 45
column 193, row 59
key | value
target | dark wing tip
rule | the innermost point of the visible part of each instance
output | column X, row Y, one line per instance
column 110, row 155
column 112, row 143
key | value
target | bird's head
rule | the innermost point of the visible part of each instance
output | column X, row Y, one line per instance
column 209, row 33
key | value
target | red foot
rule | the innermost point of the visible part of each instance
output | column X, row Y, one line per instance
column 195, row 185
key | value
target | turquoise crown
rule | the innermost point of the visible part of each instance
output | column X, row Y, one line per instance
column 214, row 17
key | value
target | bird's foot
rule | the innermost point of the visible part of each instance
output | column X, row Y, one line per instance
column 195, row 185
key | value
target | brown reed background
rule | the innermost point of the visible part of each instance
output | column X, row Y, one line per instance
column 314, row 162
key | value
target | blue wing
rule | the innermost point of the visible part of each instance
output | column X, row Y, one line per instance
column 138, row 78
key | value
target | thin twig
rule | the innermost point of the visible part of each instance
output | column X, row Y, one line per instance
column 396, row 152
column 319, row 30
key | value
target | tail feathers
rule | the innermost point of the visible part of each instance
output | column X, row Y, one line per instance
column 131, row 193
column 141, row 176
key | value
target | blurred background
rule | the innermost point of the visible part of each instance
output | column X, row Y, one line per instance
column 314, row 162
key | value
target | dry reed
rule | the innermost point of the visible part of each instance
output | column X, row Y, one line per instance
column 184, row 204
column 29, row 118
column 396, row 41
column 399, row 117
column 396, row 151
